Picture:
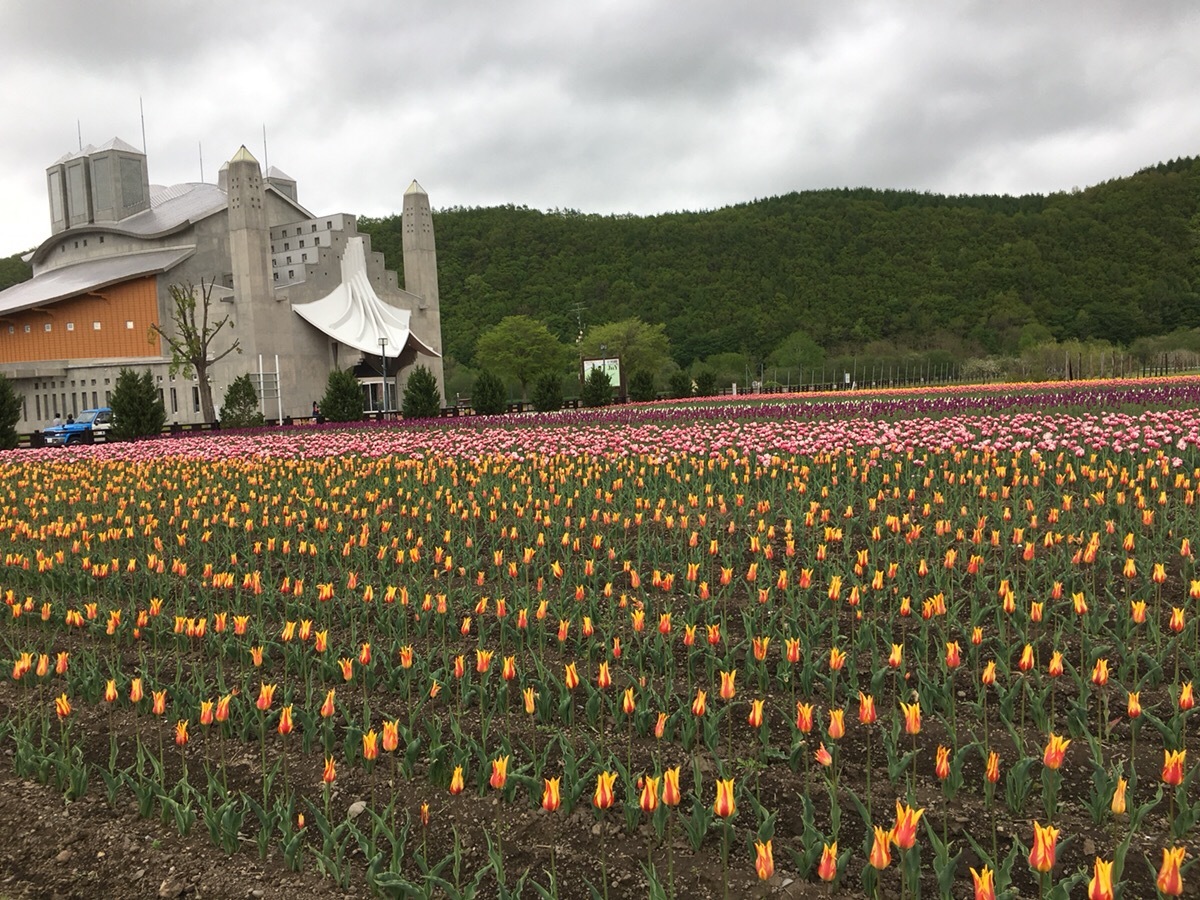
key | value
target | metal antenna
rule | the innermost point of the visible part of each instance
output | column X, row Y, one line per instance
column 266, row 158
column 142, row 110
column 79, row 133
column 200, row 147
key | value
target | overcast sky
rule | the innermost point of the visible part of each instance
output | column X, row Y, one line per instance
column 606, row 106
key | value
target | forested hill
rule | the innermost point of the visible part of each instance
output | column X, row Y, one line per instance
column 970, row 273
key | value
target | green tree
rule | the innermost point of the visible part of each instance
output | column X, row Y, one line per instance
column 641, row 386
column 138, row 411
column 240, row 409
column 14, row 270
column 520, row 349
column 798, row 351
column 548, row 393
column 489, row 396
column 10, row 414
column 637, row 344
column 191, row 338
column 706, row 383
column 729, row 368
column 343, row 400
column 597, row 390
column 422, row 399
column 681, row 384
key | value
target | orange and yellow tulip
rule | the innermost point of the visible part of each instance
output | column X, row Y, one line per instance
column 603, row 796
column 1170, row 878
column 725, row 806
column 1045, row 842
column 764, row 860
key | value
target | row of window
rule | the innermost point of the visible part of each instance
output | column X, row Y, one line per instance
column 63, row 246
column 51, row 385
column 48, row 405
column 287, row 246
column 48, row 327
column 300, row 228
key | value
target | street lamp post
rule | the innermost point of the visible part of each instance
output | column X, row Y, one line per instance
column 383, row 370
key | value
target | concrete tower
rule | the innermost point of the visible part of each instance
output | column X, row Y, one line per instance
column 420, row 276
column 249, row 252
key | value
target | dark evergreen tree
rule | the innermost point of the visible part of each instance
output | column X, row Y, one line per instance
column 422, row 399
column 681, row 384
column 343, row 400
column 597, row 389
column 706, row 383
column 138, row 411
column 489, row 396
column 641, row 386
column 240, row 409
column 547, row 393
column 10, row 414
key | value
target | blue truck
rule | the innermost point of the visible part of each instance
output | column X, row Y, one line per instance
column 89, row 428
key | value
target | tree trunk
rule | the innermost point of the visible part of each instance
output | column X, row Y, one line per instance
column 206, row 400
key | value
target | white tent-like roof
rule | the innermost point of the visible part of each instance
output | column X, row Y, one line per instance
column 354, row 315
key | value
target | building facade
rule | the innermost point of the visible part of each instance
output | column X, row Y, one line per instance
column 304, row 293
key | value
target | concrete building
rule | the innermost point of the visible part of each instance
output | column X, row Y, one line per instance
column 304, row 293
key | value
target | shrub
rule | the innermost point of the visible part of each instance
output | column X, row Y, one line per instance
column 597, row 390
column 422, row 399
column 343, row 400
column 240, row 409
column 547, row 393
column 489, row 397
column 10, row 414
column 137, row 409
column 681, row 384
column 641, row 386
column 706, row 383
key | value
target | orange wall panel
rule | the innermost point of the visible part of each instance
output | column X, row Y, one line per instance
column 73, row 334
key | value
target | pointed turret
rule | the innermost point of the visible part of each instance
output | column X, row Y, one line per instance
column 420, row 274
column 249, row 247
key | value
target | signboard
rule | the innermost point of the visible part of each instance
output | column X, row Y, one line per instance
column 611, row 366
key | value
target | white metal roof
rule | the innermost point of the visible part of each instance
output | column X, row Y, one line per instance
column 92, row 275
column 354, row 315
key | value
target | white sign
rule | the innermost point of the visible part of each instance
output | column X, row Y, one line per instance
column 611, row 367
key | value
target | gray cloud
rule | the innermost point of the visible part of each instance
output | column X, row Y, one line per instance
column 611, row 106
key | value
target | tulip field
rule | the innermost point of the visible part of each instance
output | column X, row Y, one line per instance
column 922, row 643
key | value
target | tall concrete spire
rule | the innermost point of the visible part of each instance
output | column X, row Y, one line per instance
column 249, row 247
column 420, row 274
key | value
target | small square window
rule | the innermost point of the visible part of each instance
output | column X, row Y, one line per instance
column 287, row 246
column 314, row 228
column 46, row 326
column 102, row 239
column 85, row 242
column 289, row 259
column 303, row 257
column 77, row 245
column 70, row 326
column 276, row 274
column 302, row 243
column 329, row 224
column 291, row 275
column 28, row 329
column 316, row 242
column 95, row 326
column 129, row 325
